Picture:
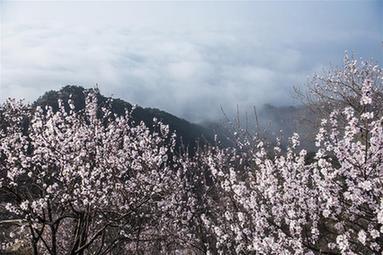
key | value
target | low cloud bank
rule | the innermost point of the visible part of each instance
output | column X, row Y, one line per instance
column 189, row 66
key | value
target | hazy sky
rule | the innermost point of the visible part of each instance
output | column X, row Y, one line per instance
column 187, row 58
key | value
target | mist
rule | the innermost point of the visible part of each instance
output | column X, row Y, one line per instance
column 187, row 58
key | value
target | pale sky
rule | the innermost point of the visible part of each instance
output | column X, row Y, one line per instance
column 188, row 58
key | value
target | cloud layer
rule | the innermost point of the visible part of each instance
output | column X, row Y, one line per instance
column 188, row 59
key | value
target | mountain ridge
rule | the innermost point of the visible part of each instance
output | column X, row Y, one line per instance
column 190, row 135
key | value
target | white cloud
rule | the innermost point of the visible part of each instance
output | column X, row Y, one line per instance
column 187, row 59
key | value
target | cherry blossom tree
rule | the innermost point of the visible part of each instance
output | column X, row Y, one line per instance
column 337, row 88
column 276, row 202
column 85, row 182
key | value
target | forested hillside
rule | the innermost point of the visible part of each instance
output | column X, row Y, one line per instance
column 188, row 134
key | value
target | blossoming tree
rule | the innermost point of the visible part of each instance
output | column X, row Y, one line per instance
column 84, row 182
column 276, row 202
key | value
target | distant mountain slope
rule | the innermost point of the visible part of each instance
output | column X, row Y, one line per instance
column 290, row 119
column 189, row 133
column 272, row 119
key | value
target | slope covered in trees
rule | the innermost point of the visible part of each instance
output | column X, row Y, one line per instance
column 188, row 132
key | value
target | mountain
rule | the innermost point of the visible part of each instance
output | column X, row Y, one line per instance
column 272, row 119
column 290, row 119
column 189, row 135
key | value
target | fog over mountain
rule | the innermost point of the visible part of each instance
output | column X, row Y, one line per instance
column 187, row 58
